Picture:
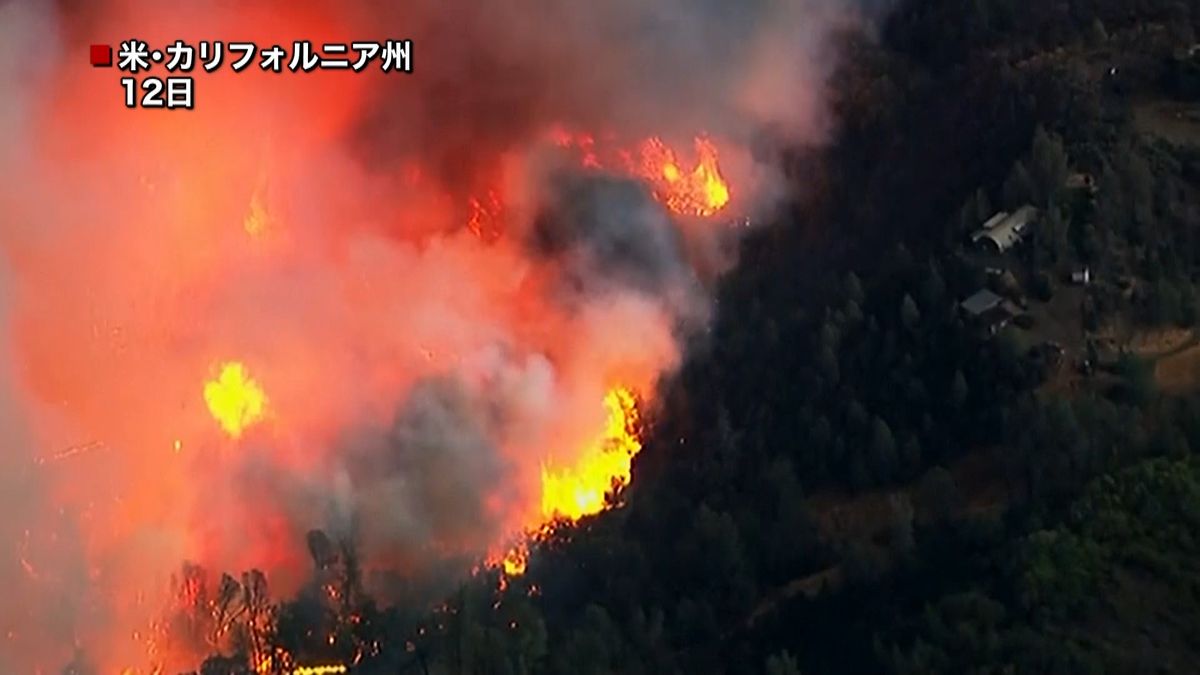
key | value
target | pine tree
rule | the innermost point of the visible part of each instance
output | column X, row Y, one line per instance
column 909, row 313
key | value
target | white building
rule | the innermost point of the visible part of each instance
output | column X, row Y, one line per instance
column 1004, row 230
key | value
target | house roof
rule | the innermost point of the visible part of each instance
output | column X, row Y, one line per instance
column 994, row 220
column 981, row 302
column 1006, row 229
column 999, row 314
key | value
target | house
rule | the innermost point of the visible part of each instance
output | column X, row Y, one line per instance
column 989, row 311
column 1004, row 230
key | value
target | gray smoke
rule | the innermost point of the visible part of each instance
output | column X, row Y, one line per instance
column 416, row 489
column 489, row 76
column 612, row 236
column 121, row 221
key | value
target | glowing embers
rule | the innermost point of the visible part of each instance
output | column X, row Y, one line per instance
column 320, row 670
column 235, row 400
column 486, row 217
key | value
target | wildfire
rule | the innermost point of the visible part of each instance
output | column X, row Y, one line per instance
column 698, row 191
column 578, row 491
column 486, row 216
column 514, row 561
column 702, row 191
column 247, row 215
column 235, row 400
column 572, row 489
column 256, row 220
column 574, row 492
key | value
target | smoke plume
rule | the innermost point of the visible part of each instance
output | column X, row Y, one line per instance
column 433, row 295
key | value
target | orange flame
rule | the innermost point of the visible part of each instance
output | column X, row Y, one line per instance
column 486, row 218
column 580, row 490
column 257, row 219
column 699, row 192
column 320, row 670
column 570, row 493
column 515, row 561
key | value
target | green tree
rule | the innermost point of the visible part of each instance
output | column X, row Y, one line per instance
column 1139, row 182
column 883, row 451
column 909, row 314
column 1052, row 240
column 976, row 211
column 1019, row 188
column 983, row 206
column 1112, row 210
column 827, row 362
column 1137, row 376
column 933, row 289
column 1189, row 310
column 594, row 647
column 937, row 494
column 959, row 390
column 527, row 638
column 1048, row 168
column 900, row 525
column 854, row 288
column 783, row 663
column 1166, row 303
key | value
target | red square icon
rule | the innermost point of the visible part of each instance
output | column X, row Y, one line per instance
column 102, row 56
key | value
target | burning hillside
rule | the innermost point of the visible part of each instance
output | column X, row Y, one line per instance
column 420, row 315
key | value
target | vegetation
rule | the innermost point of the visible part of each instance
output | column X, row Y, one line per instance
column 1020, row 524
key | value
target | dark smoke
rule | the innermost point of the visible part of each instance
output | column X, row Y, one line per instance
column 490, row 76
column 416, row 489
column 612, row 236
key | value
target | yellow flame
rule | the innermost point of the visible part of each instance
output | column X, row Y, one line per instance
column 580, row 490
column 256, row 220
column 700, row 192
column 514, row 561
column 574, row 492
column 319, row 670
column 235, row 400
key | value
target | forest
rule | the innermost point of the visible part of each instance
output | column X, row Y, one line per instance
column 847, row 476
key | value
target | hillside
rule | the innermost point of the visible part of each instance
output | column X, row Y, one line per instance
column 849, row 475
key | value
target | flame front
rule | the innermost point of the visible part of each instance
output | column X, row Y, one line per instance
column 235, row 400
column 570, row 493
column 320, row 670
column 699, row 192
column 369, row 297
column 580, row 490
